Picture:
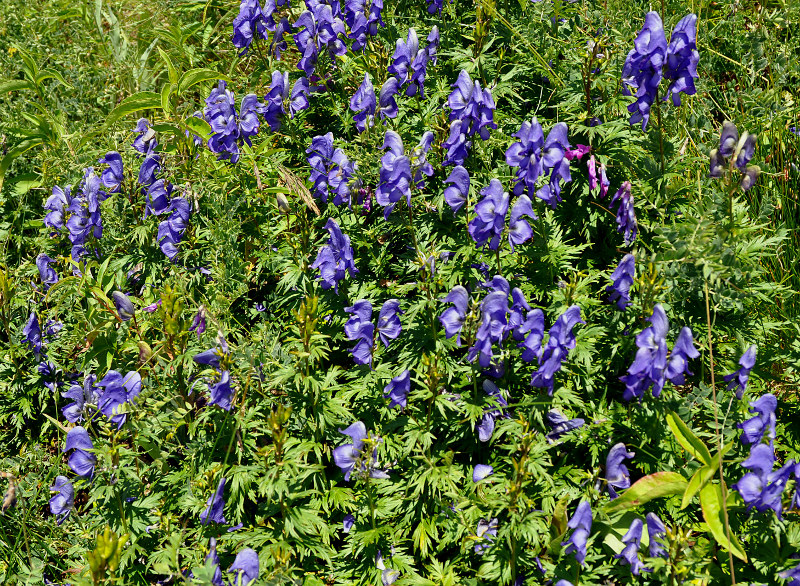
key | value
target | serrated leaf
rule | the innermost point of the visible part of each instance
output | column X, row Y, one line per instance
column 134, row 103
column 686, row 438
column 648, row 488
column 711, row 502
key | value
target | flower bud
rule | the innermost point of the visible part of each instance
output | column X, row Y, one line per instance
column 125, row 308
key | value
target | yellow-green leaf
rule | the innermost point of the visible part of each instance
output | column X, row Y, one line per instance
column 713, row 511
column 686, row 438
column 134, row 103
column 648, row 488
column 704, row 475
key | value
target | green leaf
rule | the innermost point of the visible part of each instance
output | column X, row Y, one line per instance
column 52, row 74
column 14, row 85
column 648, row 488
column 711, row 501
column 172, row 72
column 703, row 476
column 166, row 92
column 134, row 103
column 195, row 76
column 15, row 152
column 686, row 438
column 198, row 126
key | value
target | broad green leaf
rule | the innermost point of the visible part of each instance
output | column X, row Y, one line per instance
column 195, row 76
column 713, row 511
column 52, row 74
column 15, row 152
column 648, row 488
column 134, row 103
column 166, row 92
column 686, row 438
column 171, row 71
column 197, row 126
column 14, row 85
column 703, row 475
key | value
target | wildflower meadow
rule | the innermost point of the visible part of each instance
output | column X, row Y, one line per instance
column 425, row 292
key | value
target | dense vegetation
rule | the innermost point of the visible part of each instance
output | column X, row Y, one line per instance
column 427, row 292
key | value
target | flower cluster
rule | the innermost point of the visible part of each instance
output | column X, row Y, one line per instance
column 410, row 62
column 229, row 128
column 622, row 278
column 581, row 524
column 220, row 390
column 485, row 425
column 335, row 258
column 360, row 328
column 117, row 391
column 283, row 98
column 560, row 340
column 472, row 106
column 652, row 367
column 395, row 174
column 332, row 173
column 626, row 215
column 739, row 151
column 362, row 18
column 352, row 458
column 535, row 157
column 319, row 29
column 490, row 217
column 61, row 503
column 251, row 21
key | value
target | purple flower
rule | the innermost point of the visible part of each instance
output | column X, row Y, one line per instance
column 347, row 456
column 535, row 157
column 648, row 367
column 364, row 104
column 280, row 101
column 753, row 429
column 245, row 566
column 682, row 58
column 486, row 532
column 340, row 178
column 642, row 68
column 626, row 215
column 481, row 471
column 170, row 231
column 473, row 106
column 630, row 554
column 622, row 278
column 319, row 29
column 435, row 6
column 389, row 327
column 493, row 327
column 123, row 305
column 456, row 194
column 682, row 351
column 81, row 461
column 61, row 504
column 387, row 105
column 487, row 226
column 144, row 141
column 335, row 258
column 519, row 230
column 221, row 393
column 738, row 380
column 118, row 390
column 81, row 396
column 762, row 488
column 728, row 139
column 792, row 574
column 348, row 522
column 532, row 344
column 32, row 334
column 560, row 425
column 656, row 530
column 251, row 21
column 230, row 129
column 57, row 204
column 397, row 390
column 453, row 317
column 419, row 160
column 409, row 64
column 560, row 341
column 359, row 327
column 214, row 505
column 617, row 474
column 320, row 156
column 604, row 182
column 112, row 176
column 456, row 145
column 363, row 21
column 395, row 174
column 581, row 524
column 578, row 152
column 199, row 321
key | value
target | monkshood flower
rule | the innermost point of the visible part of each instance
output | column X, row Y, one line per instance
column 626, row 215
column 456, row 145
column 792, row 574
column 229, row 128
column 389, row 326
column 118, row 390
column 388, row 576
column 212, row 557
column 435, row 6
column 348, row 522
column 762, row 488
column 405, row 54
column 284, row 99
column 485, row 426
column 340, row 178
column 62, row 502
column 395, row 174
column 581, row 524
column 32, row 334
column 753, row 429
column 419, row 160
column 622, row 278
column 534, row 157
column 84, row 209
column 145, row 137
column 456, row 194
column 738, row 380
column 578, row 152
column 682, row 57
column 335, row 258
column 112, row 176
column 453, row 317
column 221, row 393
column 487, row 226
column 387, row 104
column 630, row 554
column 51, row 374
column 123, row 305
column 532, row 344
column 473, row 106
column 279, row 44
column 245, row 567
column 359, row 328
column 319, row 29
column 678, row 361
column 81, row 461
column 148, row 169
column 656, row 530
column 170, row 231
column 740, row 150
column 604, row 182
column 351, row 458
column 47, row 274
column 642, row 69
column 433, row 44
column 83, row 398
column 214, row 505
column 617, row 474
column 363, row 22
column 519, row 230
column 397, row 390
column 364, row 104
column 481, row 471
column 493, row 327
column 560, row 425
column 320, row 156
column 561, row 339
column 57, row 205
column 648, row 367
column 486, row 532
column 251, row 21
